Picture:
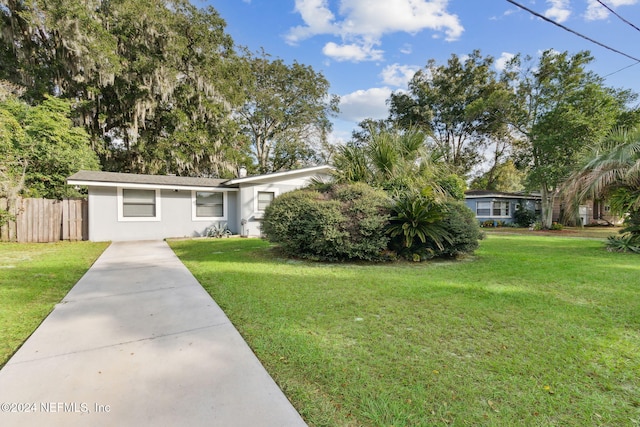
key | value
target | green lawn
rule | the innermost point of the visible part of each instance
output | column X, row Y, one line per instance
column 534, row 330
column 33, row 278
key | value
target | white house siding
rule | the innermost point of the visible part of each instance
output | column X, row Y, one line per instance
column 175, row 217
column 247, row 201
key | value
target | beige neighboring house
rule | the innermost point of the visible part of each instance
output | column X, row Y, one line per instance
column 591, row 212
column 125, row 206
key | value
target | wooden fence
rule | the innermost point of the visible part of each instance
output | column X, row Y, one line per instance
column 44, row 220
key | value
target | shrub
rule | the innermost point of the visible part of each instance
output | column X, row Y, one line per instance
column 624, row 243
column 218, row 231
column 524, row 217
column 462, row 227
column 416, row 225
column 342, row 222
column 632, row 224
column 367, row 216
column 454, row 186
column 629, row 239
column 6, row 217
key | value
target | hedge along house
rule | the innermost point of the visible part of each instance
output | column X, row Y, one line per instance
column 125, row 206
column 498, row 206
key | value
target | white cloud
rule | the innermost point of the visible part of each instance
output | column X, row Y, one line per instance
column 398, row 75
column 339, row 136
column 595, row 11
column 365, row 22
column 502, row 61
column 406, row 49
column 362, row 104
column 318, row 17
column 558, row 11
column 375, row 18
column 352, row 52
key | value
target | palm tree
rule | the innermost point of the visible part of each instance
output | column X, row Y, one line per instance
column 394, row 161
column 612, row 170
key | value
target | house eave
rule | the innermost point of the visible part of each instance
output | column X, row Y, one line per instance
column 148, row 186
column 503, row 196
column 278, row 175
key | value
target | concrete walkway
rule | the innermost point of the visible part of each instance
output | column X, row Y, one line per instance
column 138, row 342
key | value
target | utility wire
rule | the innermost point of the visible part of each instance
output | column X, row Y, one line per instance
column 616, row 14
column 621, row 69
column 533, row 12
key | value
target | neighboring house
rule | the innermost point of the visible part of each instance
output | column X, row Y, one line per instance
column 590, row 212
column 499, row 206
column 126, row 206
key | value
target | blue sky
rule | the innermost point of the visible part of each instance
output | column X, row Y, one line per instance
column 369, row 48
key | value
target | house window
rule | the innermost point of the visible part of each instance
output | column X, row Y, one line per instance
column 607, row 208
column 483, row 208
column 492, row 209
column 138, row 203
column 264, row 199
column 209, row 205
column 500, row 208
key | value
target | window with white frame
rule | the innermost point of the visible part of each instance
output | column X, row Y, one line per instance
column 500, row 209
column 264, row 199
column 138, row 203
column 492, row 209
column 209, row 204
column 483, row 208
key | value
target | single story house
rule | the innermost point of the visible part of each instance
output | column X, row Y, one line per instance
column 497, row 206
column 125, row 206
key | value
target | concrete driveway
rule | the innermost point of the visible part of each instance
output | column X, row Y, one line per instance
column 138, row 342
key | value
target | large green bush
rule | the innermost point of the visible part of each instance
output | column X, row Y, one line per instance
column 338, row 223
column 464, row 232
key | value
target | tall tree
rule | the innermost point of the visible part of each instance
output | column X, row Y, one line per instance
column 39, row 148
column 55, row 47
column 152, row 79
column 287, row 110
column 559, row 107
column 503, row 176
column 453, row 104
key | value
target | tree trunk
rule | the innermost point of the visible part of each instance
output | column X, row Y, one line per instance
column 548, row 197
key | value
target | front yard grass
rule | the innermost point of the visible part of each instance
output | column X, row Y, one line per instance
column 533, row 330
column 33, row 278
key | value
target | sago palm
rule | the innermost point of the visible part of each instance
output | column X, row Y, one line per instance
column 417, row 217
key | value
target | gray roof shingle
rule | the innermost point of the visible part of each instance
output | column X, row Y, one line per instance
column 132, row 178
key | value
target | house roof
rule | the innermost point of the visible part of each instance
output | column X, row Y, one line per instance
column 111, row 179
column 477, row 194
column 279, row 175
column 116, row 179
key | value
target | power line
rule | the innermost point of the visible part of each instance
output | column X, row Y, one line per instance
column 621, row 69
column 616, row 14
column 533, row 12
